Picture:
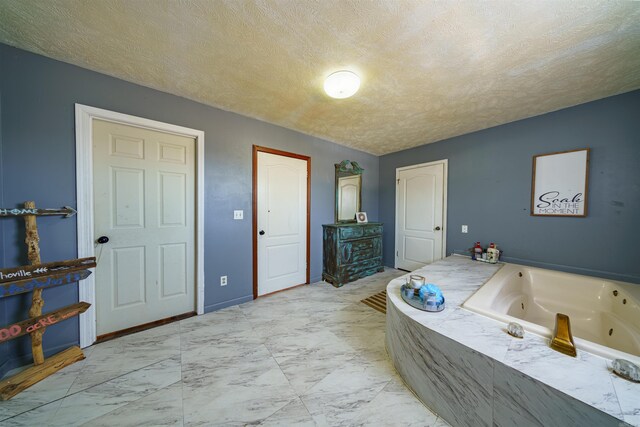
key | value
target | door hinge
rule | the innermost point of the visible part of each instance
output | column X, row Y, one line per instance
column 398, row 183
column 397, row 255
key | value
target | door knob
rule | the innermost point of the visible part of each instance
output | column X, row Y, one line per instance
column 261, row 232
column 437, row 228
column 102, row 240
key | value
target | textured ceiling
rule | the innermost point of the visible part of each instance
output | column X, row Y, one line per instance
column 430, row 70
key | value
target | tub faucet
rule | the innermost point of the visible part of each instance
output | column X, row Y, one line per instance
column 562, row 340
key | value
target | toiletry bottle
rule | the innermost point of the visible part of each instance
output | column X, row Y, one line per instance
column 477, row 251
column 492, row 253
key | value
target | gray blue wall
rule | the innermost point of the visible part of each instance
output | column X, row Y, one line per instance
column 490, row 189
column 37, row 143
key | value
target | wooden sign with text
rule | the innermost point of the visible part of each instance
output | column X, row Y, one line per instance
column 35, row 277
column 27, row 326
column 66, row 211
column 31, row 271
column 42, row 282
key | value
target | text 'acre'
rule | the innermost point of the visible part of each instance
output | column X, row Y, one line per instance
column 27, row 326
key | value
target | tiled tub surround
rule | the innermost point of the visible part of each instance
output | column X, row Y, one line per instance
column 470, row 372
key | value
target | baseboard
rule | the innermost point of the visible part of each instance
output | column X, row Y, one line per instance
column 567, row 268
column 143, row 327
column 225, row 304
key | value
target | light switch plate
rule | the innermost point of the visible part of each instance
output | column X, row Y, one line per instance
column 238, row 214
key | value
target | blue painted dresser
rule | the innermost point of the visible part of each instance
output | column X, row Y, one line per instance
column 351, row 251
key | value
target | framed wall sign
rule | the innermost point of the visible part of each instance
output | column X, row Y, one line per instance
column 560, row 184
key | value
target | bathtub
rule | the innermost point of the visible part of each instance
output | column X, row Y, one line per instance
column 605, row 314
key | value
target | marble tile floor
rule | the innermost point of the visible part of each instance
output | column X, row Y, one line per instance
column 309, row 356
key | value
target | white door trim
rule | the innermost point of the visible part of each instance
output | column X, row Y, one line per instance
column 445, row 165
column 84, row 189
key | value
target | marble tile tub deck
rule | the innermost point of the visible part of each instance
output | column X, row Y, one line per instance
column 472, row 360
column 309, row 356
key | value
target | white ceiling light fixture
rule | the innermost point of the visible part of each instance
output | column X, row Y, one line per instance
column 342, row 84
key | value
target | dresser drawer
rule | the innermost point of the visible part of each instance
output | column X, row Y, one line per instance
column 359, row 250
column 350, row 232
column 354, row 270
column 373, row 230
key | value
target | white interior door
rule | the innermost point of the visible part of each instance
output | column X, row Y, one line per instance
column 144, row 202
column 282, row 222
column 420, row 193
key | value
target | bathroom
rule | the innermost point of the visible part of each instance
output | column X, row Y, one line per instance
column 489, row 176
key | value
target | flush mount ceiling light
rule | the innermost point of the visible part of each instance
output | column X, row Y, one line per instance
column 342, row 84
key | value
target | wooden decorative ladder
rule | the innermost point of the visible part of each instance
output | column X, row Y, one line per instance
column 34, row 278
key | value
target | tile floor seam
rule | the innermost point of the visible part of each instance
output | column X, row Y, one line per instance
column 129, row 403
column 66, row 393
column 298, row 395
column 55, row 413
column 253, row 330
column 37, row 407
column 379, row 392
column 615, row 391
column 288, row 381
column 277, row 410
column 306, row 408
column 6, row 418
column 77, row 376
column 113, row 378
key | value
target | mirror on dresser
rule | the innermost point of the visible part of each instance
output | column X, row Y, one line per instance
column 348, row 191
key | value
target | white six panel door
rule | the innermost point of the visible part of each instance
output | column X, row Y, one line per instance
column 282, row 216
column 144, row 196
column 419, row 216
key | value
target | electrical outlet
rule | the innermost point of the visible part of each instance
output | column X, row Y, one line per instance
column 238, row 214
column 465, row 229
column 223, row 280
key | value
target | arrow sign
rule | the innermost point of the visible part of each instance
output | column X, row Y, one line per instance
column 36, row 323
column 30, row 271
column 67, row 212
column 56, row 279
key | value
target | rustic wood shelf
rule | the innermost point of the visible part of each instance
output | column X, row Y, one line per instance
column 34, row 278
